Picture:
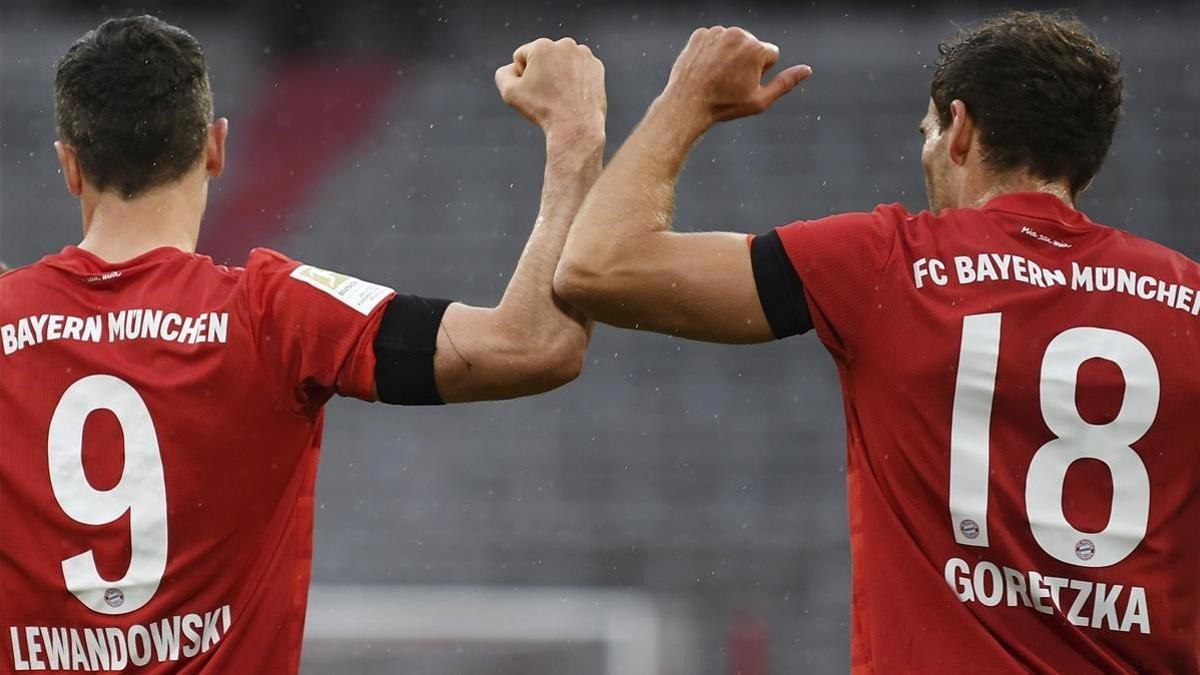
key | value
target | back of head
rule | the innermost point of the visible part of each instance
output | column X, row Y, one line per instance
column 1044, row 93
column 132, row 98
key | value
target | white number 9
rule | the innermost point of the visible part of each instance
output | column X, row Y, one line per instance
column 141, row 491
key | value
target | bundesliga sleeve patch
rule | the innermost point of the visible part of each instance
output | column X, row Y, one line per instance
column 361, row 296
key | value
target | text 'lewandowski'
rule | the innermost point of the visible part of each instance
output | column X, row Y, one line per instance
column 116, row 649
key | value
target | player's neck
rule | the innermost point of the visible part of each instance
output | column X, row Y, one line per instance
column 117, row 230
column 991, row 187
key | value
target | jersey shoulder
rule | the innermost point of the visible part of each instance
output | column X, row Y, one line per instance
column 1151, row 251
column 18, row 276
column 169, row 276
column 981, row 223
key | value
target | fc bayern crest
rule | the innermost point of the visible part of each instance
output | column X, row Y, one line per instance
column 113, row 597
column 969, row 528
column 1085, row 549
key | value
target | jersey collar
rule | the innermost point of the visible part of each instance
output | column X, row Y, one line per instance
column 89, row 266
column 1039, row 205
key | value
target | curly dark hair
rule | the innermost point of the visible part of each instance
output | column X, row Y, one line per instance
column 132, row 98
column 1045, row 94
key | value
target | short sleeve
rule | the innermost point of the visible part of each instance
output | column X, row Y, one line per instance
column 841, row 261
column 314, row 329
column 780, row 291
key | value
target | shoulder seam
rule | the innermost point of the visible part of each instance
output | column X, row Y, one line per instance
column 887, row 264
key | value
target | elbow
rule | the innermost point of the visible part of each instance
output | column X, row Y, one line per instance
column 549, row 360
column 562, row 360
column 566, row 369
column 598, row 279
column 580, row 284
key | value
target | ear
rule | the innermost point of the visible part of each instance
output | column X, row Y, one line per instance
column 962, row 132
column 69, row 161
column 214, row 147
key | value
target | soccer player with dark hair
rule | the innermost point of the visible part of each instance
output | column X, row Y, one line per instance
column 1021, row 384
column 162, row 414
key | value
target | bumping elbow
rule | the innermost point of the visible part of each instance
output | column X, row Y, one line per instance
column 578, row 284
column 567, row 370
column 564, row 359
column 549, row 361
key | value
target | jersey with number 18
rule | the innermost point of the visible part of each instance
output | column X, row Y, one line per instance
column 1022, row 394
column 161, row 420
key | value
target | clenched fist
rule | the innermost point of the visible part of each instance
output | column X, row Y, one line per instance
column 719, row 75
column 556, row 85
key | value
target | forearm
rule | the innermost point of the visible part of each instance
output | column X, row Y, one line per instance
column 636, row 194
column 629, row 208
column 622, row 265
column 573, row 162
column 531, row 341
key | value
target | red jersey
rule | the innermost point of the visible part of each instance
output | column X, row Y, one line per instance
column 1022, row 389
column 161, row 424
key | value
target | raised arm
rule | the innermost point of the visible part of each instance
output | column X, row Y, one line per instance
column 622, row 265
column 531, row 341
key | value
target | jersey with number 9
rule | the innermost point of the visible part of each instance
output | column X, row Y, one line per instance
column 1022, row 393
column 161, row 424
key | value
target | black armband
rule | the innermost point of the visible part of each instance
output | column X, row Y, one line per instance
column 404, row 348
column 779, row 287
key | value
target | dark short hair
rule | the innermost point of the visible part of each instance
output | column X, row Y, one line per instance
column 133, row 98
column 1045, row 94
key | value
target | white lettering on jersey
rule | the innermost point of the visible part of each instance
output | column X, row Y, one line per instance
column 932, row 268
column 991, row 267
column 129, row 324
column 361, row 296
column 1030, row 232
column 91, row 649
column 1093, row 605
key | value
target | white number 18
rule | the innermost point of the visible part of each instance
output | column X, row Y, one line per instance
column 1075, row 439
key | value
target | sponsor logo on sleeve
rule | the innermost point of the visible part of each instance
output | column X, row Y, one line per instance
column 361, row 296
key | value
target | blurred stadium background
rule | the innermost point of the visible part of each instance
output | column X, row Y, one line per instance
column 680, row 508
